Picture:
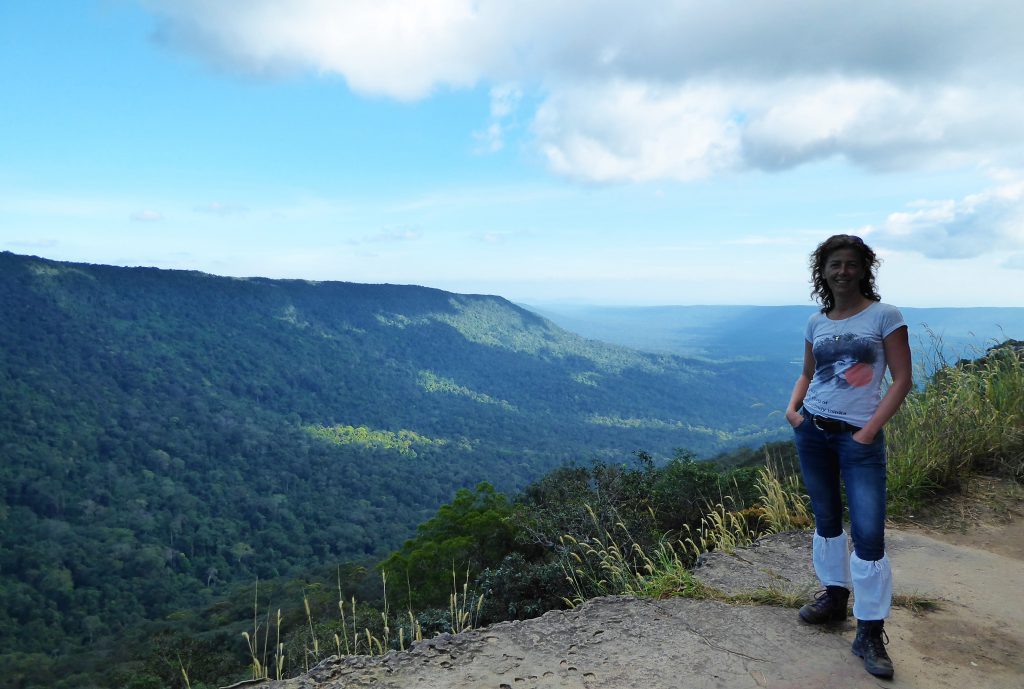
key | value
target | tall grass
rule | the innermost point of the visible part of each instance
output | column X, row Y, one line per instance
column 357, row 630
column 783, row 505
column 722, row 529
column 969, row 418
column 463, row 616
column 599, row 565
column 257, row 652
column 616, row 563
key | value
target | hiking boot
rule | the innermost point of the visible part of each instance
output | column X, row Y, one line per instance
column 829, row 605
column 870, row 645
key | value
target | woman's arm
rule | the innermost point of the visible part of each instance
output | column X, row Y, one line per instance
column 897, row 357
column 796, row 400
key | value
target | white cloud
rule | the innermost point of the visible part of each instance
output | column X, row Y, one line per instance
column 632, row 131
column 871, row 121
column 219, row 208
column 504, row 102
column 680, row 89
column 147, row 215
column 394, row 47
column 987, row 222
column 490, row 140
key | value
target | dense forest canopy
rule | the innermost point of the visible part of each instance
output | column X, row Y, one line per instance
column 165, row 434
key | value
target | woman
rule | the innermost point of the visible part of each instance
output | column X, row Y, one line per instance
column 837, row 412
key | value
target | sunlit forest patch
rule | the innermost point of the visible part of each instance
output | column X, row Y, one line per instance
column 404, row 441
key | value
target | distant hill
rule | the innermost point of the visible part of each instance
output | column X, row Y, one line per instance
column 773, row 333
column 166, row 433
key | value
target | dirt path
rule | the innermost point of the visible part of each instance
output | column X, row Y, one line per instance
column 975, row 639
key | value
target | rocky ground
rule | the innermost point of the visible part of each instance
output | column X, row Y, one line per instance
column 972, row 565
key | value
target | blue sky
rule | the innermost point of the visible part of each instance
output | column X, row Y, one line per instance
column 691, row 153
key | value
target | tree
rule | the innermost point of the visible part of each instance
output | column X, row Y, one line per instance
column 470, row 533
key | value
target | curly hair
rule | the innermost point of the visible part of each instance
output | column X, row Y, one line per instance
column 821, row 291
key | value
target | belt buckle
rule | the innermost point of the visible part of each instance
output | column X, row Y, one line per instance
column 827, row 425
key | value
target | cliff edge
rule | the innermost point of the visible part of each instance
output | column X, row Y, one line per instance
column 975, row 638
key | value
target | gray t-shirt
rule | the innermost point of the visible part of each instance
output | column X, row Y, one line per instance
column 849, row 362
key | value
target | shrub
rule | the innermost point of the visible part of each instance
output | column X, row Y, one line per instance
column 970, row 417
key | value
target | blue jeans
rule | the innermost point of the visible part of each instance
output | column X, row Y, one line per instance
column 825, row 458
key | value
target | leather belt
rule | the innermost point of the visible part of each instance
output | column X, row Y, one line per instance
column 823, row 423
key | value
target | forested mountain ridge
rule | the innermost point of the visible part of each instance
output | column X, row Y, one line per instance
column 164, row 433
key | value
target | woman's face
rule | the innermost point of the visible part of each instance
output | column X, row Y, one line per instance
column 843, row 272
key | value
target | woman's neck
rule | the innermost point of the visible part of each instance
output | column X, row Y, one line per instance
column 847, row 306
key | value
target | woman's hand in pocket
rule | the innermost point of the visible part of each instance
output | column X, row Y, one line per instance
column 794, row 417
column 863, row 438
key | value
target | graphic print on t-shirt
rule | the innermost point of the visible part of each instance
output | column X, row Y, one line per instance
column 844, row 361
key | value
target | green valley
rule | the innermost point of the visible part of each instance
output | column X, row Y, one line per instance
column 166, row 435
